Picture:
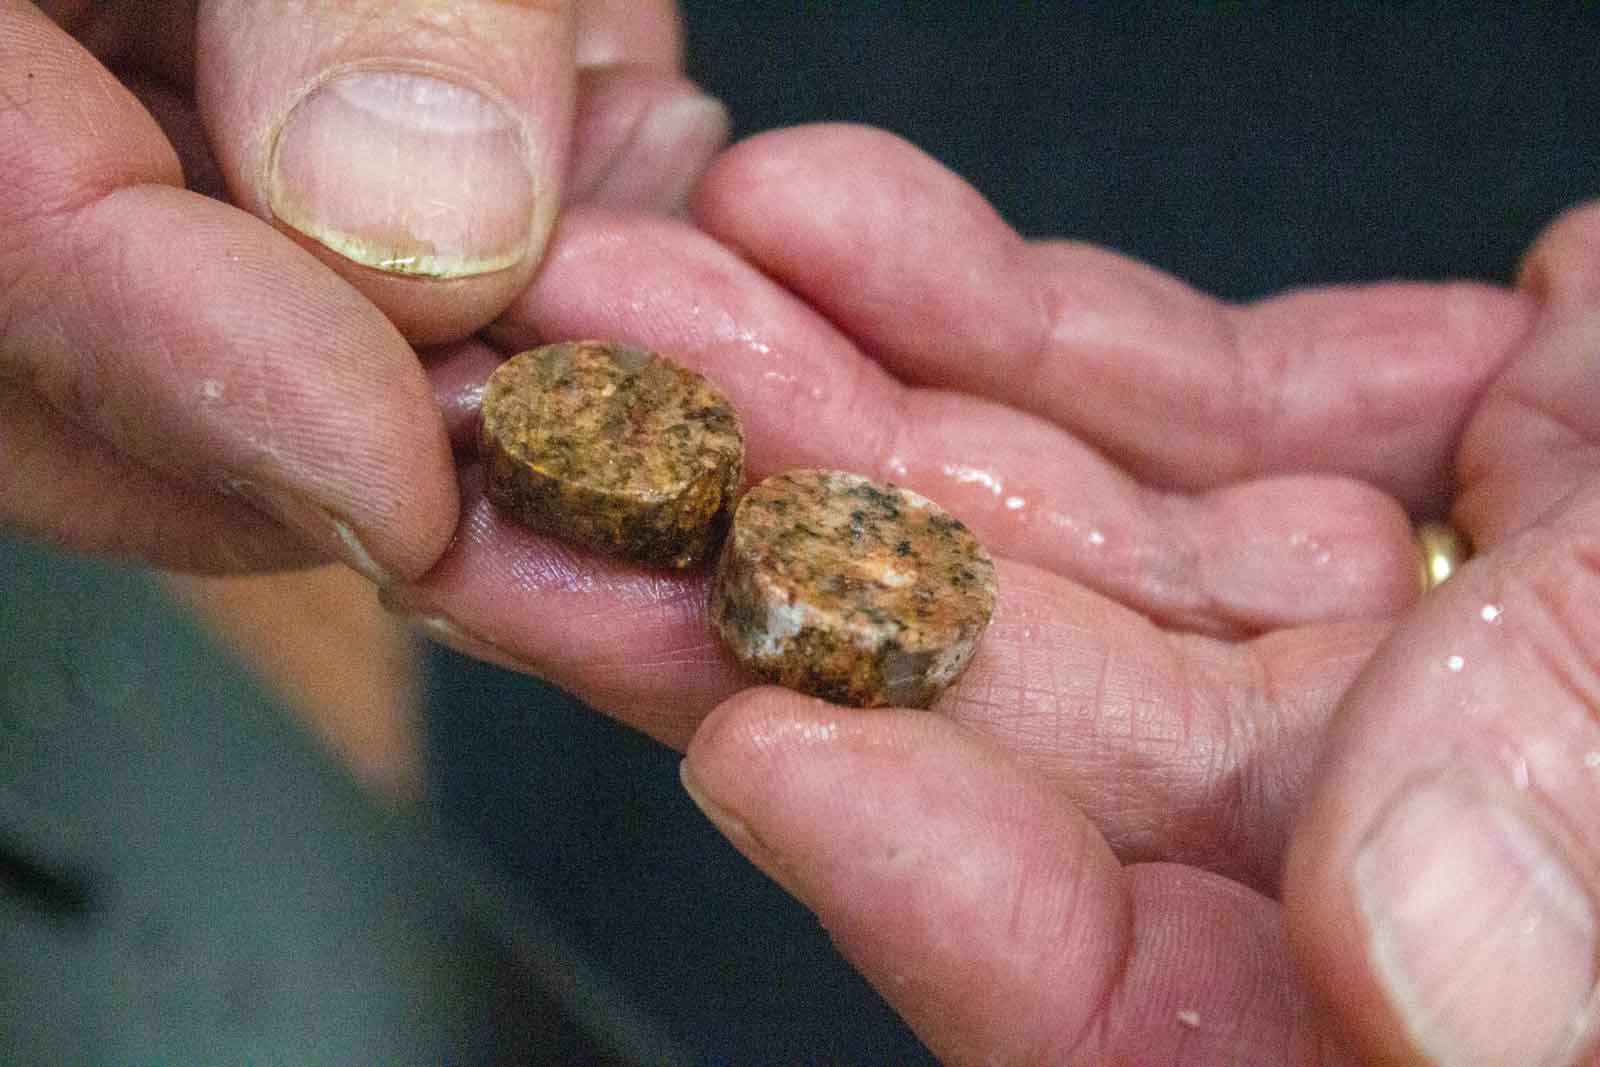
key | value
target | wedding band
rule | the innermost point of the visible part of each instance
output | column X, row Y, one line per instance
column 1441, row 550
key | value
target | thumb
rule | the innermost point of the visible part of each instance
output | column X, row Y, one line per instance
column 417, row 148
column 1444, row 880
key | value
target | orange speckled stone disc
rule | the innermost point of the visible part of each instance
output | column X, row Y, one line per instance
column 612, row 448
column 859, row 593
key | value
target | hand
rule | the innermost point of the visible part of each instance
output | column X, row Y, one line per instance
column 203, row 387
column 1200, row 514
column 1443, row 883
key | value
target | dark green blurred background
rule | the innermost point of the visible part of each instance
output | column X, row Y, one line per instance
column 184, row 879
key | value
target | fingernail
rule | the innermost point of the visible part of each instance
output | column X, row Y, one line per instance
column 445, row 631
column 405, row 173
column 738, row 832
column 670, row 149
column 331, row 535
column 1481, row 934
column 355, row 553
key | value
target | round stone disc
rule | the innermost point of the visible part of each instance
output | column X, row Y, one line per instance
column 612, row 448
column 859, row 593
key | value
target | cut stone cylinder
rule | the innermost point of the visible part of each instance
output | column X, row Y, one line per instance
column 859, row 593
column 612, row 448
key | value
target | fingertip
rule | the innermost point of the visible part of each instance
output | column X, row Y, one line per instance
column 1563, row 265
column 774, row 169
column 747, row 737
column 642, row 139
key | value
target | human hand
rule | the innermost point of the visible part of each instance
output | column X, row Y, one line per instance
column 1442, row 884
column 202, row 387
column 1199, row 514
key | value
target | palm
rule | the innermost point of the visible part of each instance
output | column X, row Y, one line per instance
column 1200, row 514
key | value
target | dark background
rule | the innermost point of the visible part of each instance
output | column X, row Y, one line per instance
column 1243, row 147
column 1245, row 150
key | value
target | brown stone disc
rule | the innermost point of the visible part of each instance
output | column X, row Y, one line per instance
column 612, row 448
column 859, row 593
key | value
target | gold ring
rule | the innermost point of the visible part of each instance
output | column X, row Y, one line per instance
column 1441, row 550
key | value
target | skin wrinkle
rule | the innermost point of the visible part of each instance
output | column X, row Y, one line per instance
column 1175, row 570
column 1039, row 951
column 891, row 445
column 1100, row 1026
column 265, row 544
column 1201, row 783
column 28, row 464
column 1266, row 792
column 76, row 386
column 15, row 366
column 1047, row 314
column 1550, row 465
column 1073, row 296
column 1536, row 406
column 1007, row 717
column 1201, row 730
column 1259, row 387
column 1239, row 800
column 1566, row 649
column 1246, row 425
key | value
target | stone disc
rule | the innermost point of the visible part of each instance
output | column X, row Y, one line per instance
column 859, row 593
column 613, row 448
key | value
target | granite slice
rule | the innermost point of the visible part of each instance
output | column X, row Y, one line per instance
column 612, row 448
column 858, row 593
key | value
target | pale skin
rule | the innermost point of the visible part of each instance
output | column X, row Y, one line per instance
column 1133, row 832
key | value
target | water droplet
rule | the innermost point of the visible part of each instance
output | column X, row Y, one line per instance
column 1015, row 503
column 974, row 476
column 1491, row 613
column 1096, row 538
column 896, row 467
column 1520, row 776
column 1455, row 663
